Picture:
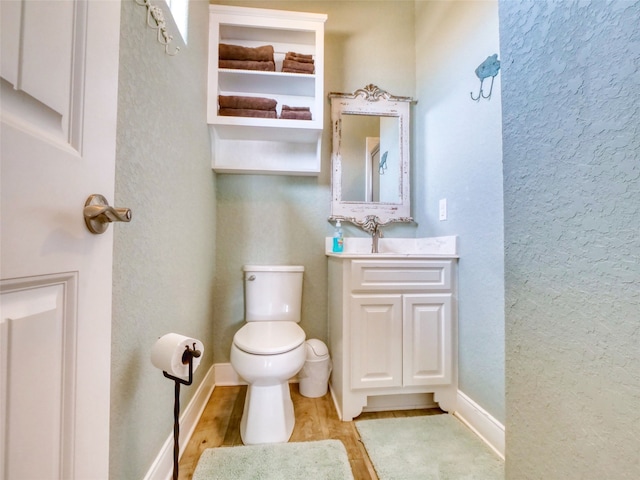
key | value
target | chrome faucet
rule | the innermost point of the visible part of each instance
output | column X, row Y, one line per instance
column 375, row 235
column 372, row 225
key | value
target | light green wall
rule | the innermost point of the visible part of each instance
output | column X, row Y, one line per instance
column 274, row 219
column 164, row 259
column 571, row 108
column 458, row 157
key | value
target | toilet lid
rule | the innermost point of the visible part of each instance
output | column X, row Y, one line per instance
column 269, row 338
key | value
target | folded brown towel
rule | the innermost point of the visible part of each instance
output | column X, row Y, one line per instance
column 298, row 67
column 237, row 52
column 295, row 115
column 293, row 70
column 247, row 65
column 296, row 109
column 251, row 103
column 299, row 57
column 247, row 112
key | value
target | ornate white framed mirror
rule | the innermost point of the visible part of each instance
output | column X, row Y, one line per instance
column 370, row 158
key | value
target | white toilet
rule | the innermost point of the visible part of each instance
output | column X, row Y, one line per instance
column 268, row 350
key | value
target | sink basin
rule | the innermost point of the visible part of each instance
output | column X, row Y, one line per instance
column 397, row 247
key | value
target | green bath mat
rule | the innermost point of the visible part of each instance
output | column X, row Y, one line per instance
column 321, row 460
column 435, row 447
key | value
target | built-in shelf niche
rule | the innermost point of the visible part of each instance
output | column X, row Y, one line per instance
column 266, row 145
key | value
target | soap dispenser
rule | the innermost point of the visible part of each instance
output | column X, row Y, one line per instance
column 338, row 238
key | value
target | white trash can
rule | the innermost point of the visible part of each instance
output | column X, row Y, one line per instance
column 314, row 376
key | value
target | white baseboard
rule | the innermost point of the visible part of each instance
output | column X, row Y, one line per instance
column 226, row 376
column 490, row 430
column 162, row 466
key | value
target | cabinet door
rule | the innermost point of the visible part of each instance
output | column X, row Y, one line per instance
column 427, row 340
column 376, row 341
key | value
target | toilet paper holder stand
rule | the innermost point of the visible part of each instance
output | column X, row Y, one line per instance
column 187, row 359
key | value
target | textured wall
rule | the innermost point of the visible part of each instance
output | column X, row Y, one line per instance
column 283, row 219
column 164, row 259
column 571, row 110
column 459, row 157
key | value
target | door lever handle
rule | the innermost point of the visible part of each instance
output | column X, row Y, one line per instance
column 98, row 214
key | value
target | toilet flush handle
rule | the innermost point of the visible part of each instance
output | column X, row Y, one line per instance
column 251, row 278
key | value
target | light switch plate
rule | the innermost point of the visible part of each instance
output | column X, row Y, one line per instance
column 443, row 209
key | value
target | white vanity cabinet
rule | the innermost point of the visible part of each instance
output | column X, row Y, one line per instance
column 392, row 331
column 266, row 145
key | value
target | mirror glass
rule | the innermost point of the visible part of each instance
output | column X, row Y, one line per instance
column 370, row 156
column 371, row 159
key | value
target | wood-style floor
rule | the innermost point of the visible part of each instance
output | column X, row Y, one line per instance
column 316, row 419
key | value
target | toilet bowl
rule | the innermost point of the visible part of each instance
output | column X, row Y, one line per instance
column 268, row 350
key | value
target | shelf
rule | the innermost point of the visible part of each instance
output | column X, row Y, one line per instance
column 267, row 152
column 263, row 145
column 252, row 35
column 268, row 129
column 276, row 83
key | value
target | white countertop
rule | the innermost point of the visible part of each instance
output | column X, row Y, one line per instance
column 427, row 247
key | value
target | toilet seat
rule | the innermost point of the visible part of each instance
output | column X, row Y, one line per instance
column 269, row 337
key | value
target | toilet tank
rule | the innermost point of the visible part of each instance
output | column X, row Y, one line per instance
column 273, row 292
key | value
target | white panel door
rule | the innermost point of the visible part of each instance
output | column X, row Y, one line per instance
column 376, row 341
column 427, row 339
column 59, row 69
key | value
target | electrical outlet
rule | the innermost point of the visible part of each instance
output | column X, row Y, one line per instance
column 443, row 209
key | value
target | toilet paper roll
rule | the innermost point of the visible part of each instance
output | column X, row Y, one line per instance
column 168, row 351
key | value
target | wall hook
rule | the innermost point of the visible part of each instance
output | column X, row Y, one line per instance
column 383, row 163
column 489, row 68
